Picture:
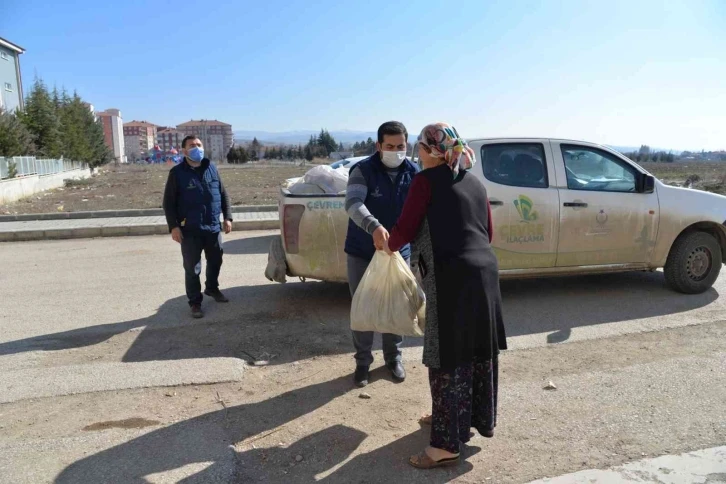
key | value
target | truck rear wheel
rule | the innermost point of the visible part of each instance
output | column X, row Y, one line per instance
column 694, row 263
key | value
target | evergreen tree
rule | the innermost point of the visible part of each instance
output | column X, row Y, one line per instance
column 326, row 142
column 233, row 155
column 15, row 138
column 41, row 118
column 242, row 154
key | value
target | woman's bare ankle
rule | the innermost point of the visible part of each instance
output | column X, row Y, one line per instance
column 438, row 454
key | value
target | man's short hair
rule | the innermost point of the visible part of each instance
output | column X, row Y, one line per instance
column 187, row 138
column 391, row 128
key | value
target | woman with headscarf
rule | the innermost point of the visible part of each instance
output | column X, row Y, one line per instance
column 447, row 212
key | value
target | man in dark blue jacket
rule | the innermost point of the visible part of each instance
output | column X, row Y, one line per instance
column 377, row 189
column 194, row 200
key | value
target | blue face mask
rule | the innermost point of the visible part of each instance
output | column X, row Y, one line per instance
column 196, row 154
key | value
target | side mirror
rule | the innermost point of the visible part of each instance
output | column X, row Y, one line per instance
column 646, row 183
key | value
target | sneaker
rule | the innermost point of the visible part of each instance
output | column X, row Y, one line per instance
column 197, row 311
column 217, row 295
column 397, row 371
column 361, row 376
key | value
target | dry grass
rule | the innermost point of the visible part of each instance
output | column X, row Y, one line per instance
column 707, row 176
column 142, row 186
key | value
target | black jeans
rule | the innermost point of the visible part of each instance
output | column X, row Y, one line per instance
column 192, row 246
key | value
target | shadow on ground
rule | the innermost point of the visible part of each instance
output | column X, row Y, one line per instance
column 251, row 245
column 288, row 322
column 208, row 441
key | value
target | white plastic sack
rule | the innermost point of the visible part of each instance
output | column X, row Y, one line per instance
column 301, row 188
column 276, row 269
column 329, row 180
column 388, row 298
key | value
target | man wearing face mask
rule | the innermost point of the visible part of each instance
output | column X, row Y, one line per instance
column 377, row 189
column 194, row 200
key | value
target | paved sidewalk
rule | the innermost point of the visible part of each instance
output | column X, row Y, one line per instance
column 706, row 466
column 116, row 227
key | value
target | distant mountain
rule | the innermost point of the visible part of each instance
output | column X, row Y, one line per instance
column 302, row 136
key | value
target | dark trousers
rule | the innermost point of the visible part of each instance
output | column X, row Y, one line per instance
column 463, row 398
column 363, row 340
column 192, row 246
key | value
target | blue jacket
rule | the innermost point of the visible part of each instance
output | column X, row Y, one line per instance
column 385, row 201
column 195, row 198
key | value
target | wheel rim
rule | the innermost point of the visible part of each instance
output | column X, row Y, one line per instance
column 699, row 264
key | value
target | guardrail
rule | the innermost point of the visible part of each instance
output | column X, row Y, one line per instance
column 30, row 165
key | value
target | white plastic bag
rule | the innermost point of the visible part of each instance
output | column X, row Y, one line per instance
column 388, row 298
column 329, row 180
column 276, row 269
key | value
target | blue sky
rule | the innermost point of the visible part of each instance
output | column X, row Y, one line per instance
column 614, row 72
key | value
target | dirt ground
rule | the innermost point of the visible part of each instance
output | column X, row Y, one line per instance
column 640, row 372
column 302, row 421
column 710, row 177
column 142, row 186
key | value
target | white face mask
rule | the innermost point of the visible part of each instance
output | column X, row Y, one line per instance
column 393, row 159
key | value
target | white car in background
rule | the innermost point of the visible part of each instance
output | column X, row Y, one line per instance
column 559, row 207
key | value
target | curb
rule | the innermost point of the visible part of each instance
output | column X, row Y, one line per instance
column 146, row 212
column 122, row 231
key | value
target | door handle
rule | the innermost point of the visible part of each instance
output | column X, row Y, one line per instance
column 575, row 204
column 496, row 203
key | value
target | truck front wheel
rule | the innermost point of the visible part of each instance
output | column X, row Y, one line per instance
column 694, row 263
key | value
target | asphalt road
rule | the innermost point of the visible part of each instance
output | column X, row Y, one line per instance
column 105, row 378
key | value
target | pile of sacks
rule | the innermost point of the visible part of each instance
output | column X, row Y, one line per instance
column 321, row 180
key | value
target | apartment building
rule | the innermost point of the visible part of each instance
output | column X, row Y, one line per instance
column 168, row 138
column 216, row 136
column 11, row 82
column 113, row 133
column 140, row 138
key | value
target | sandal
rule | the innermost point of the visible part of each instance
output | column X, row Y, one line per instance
column 423, row 461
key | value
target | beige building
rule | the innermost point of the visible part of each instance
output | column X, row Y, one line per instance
column 140, row 138
column 168, row 138
column 216, row 136
column 113, row 133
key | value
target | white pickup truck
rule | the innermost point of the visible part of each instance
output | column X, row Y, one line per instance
column 559, row 208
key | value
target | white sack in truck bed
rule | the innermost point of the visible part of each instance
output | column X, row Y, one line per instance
column 321, row 180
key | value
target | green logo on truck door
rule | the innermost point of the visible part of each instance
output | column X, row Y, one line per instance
column 525, row 207
column 527, row 231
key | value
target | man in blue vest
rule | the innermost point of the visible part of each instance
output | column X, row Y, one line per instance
column 377, row 189
column 194, row 200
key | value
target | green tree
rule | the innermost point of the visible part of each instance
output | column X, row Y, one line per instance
column 15, row 138
column 41, row 118
column 74, row 130
column 81, row 135
column 255, row 150
column 233, row 155
column 370, row 147
column 326, row 142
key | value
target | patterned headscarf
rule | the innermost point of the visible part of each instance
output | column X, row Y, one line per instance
column 444, row 142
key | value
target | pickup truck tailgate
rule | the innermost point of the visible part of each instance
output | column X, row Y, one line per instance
column 313, row 229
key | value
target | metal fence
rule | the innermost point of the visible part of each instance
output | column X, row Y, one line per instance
column 30, row 165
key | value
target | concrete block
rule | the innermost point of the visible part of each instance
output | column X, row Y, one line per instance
column 29, row 234
column 243, row 225
column 117, row 231
column 87, row 232
column 147, row 229
column 52, row 234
